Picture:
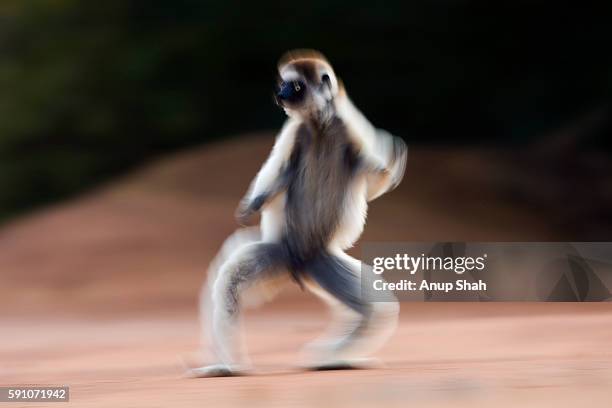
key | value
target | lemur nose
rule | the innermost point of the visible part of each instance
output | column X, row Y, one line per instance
column 285, row 91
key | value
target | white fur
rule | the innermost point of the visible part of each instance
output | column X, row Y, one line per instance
column 280, row 153
column 354, row 216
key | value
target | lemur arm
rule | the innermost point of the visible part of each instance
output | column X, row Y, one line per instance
column 384, row 155
column 270, row 180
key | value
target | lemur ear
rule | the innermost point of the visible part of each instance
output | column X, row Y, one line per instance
column 327, row 87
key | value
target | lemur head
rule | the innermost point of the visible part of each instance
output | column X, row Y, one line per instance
column 307, row 84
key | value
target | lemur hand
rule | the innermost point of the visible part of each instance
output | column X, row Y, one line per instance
column 248, row 208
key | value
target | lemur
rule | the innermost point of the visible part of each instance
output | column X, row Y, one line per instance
column 327, row 163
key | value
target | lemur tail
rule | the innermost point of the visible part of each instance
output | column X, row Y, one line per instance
column 338, row 278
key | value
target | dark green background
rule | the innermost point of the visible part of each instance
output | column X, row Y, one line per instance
column 91, row 88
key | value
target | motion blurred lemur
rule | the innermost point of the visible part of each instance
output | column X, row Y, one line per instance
column 327, row 163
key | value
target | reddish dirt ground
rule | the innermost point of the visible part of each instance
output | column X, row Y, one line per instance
column 100, row 294
column 443, row 355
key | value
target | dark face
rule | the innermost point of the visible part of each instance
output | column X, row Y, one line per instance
column 291, row 92
column 304, row 86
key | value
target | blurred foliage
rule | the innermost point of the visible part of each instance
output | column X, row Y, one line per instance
column 88, row 89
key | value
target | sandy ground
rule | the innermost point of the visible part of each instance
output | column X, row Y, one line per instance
column 100, row 293
column 443, row 355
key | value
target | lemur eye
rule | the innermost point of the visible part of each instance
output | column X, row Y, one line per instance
column 292, row 91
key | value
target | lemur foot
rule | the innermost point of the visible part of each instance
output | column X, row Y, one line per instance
column 214, row 370
column 346, row 364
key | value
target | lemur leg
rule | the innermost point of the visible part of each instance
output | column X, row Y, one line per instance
column 345, row 322
column 356, row 332
column 234, row 242
column 252, row 270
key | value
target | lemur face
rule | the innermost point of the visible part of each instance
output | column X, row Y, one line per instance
column 307, row 84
